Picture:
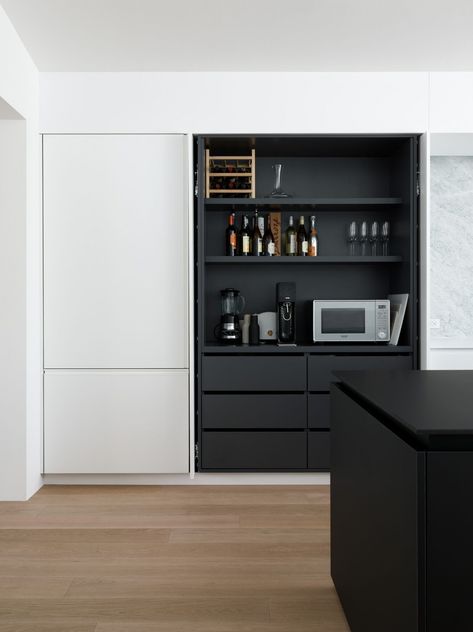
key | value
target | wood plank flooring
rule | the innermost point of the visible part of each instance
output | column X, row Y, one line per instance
column 168, row 559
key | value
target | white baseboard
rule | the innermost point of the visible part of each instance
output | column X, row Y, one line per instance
column 270, row 478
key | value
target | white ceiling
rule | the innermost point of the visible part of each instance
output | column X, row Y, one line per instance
column 245, row 35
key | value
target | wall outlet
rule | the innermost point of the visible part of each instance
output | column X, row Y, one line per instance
column 435, row 323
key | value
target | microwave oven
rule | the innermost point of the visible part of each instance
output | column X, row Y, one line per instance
column 351, row 321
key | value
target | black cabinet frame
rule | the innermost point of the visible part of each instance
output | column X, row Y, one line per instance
column 339, row 177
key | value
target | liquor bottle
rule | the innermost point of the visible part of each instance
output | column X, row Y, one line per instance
column 244, row 237
column 256, row 237
column 291, row 238
column 301, row 238
column 269, row 247
column 231, row 237
column 313, row 239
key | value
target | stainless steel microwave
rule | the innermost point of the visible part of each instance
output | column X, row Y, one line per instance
column 351, row 321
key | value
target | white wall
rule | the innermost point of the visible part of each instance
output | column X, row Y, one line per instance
column 451, row 102
column 13, row 310
column 234, row 102
column 20, row 281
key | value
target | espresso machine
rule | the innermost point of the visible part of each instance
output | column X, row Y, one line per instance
column 286, row 313
column 232, row 304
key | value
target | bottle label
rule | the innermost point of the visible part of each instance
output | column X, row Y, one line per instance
column 233, row 241
column 260, row 245
column 313, row 248
column 305, row 246
column 246, row 243
column 291, row 245
column 271, row 248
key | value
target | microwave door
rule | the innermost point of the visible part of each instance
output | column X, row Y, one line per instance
column 345, row 322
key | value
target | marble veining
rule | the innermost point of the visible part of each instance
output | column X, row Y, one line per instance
column 451, row 247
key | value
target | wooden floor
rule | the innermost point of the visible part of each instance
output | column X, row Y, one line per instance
column 174, row 559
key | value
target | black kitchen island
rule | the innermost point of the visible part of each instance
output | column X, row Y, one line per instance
column 402, row 499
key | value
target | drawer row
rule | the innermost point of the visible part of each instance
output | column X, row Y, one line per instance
column 288, row 373
column 265, row 450
column 275, row 411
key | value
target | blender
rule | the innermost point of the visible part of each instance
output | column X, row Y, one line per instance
column 232, row 304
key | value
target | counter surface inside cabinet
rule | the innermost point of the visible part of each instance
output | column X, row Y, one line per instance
column 401, row 511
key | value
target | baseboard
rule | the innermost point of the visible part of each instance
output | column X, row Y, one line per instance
column 309, row 478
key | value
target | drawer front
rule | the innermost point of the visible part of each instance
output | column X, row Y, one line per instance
column 319, row 450
column 254, row 373
column 254, row 412
column 321, row 368
column 254, row 450
column 319, row 411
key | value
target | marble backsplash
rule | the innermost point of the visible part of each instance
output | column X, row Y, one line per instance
column 451, row 249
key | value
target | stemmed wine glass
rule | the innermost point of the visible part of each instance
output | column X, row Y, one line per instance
column 352, row 238
column 374, row 236
column 385, row 233
column 364, row 238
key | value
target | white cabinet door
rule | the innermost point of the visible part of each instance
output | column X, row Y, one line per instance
column 109, row 422
column 115, row 251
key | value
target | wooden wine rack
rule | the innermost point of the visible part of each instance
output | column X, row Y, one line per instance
column 248, row 162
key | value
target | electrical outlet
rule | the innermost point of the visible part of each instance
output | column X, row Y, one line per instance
column 435, row 323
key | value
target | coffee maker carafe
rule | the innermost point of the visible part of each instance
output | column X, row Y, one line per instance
column 286, row 313
column 232, row 304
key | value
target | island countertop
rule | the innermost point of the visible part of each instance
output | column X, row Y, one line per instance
column 435, row 408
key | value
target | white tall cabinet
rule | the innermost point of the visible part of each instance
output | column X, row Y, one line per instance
column 116, row 349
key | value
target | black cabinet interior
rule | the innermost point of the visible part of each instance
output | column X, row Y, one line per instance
column 338, row 179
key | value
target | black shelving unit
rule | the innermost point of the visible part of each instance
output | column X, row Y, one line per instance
column 331, row 203
column 266, row 408
column 302, row 260
column 341, row 348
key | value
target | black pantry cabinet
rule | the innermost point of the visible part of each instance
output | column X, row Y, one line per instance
column 266, row 408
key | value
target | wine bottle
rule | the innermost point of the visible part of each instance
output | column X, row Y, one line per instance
column 302, row 243
column 313, row 239
column 269, row 246
column 231, row 237
column 291, row 238
column 261, row 224
column 244, row 237
column 256, row 238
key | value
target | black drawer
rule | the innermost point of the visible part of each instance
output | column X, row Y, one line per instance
column 251, row 411
column 319, row 450
column 319, row 411
column 254, row 450
column 321, row 367
column 253, row 373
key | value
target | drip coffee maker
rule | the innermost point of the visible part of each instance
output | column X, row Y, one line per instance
column 232, row 305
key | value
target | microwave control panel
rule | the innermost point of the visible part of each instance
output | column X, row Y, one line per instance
column 382, row 318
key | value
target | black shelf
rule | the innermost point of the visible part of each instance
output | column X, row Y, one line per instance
column 216, row 348
column 333, row 203
column 302, row 260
